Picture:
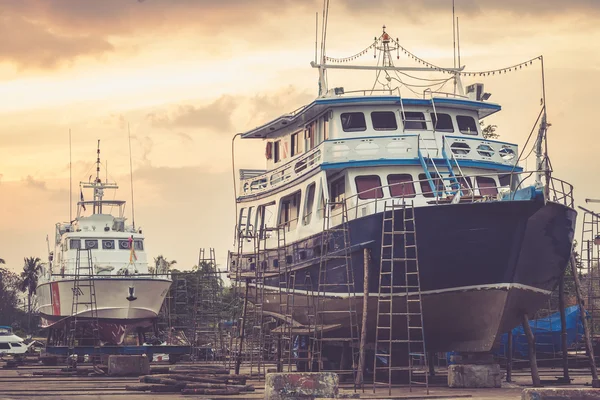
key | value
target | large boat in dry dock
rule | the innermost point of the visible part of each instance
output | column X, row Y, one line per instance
column 493, row 239
column 114, row 289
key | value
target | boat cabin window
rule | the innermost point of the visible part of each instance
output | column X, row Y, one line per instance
column 414, row 120
column 309, row 137
column 91, row 243
column 310, row 201
column 337, row 191
column 487, row 186
column 124, row 244
column 289, row 210
column 4, row 346
column 138, row 245
column 442, row 122
column 401, row 185
column 466, row 125
column 294, row 144
column 426, row 187
column 384, row 120
column 276, row 154
column 353, row 122
column 368, row 187
column 74, row 244
column 505, row 180
column 108, row 244
column 16, row 345
column 265, row 216
column 325, row 120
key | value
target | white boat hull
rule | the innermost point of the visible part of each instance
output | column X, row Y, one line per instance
column 116, row 314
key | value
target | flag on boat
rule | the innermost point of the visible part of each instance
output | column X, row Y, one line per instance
column 81, row 196
column 132, row 255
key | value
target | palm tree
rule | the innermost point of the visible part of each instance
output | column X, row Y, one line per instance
column 29, row 281
column 162, row 265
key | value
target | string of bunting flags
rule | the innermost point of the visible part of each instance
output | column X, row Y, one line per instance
column 399, row 48
column 354, row 57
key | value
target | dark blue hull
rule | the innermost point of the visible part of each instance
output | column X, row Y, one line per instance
column 481, row 266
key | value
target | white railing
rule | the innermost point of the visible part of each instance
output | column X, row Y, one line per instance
column 479, row 149
column 396, row 147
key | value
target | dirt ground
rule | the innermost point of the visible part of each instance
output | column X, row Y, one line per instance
column 22, row 384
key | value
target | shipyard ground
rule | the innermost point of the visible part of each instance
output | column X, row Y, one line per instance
column 21, row 384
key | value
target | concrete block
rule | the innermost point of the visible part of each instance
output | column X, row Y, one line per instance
column 131, row 365
column 560, row 393
column 474, row 376
column 298, row 385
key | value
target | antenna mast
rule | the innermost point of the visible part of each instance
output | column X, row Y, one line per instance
column 322, row 72
column 454, row 43
column 131, row 176
column 70, row 180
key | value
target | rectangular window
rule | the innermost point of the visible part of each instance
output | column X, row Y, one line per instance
column 368, row 187
column 505, row 180
column 4, row 346
column 414, row 120
column 91, row 243
column 326, row 127
column 276, row 154
column 487, row 186
column 426, row 187
column 310, row 201
column 309, row 137
column 384, row 120
column 74, row 243
column 124, row 244
column 353, row 122
column 442, row 122
column 289, row 210
column 266, row 217
column 338, row 190
column 466, row 125
column 138, row 244
column 16, row 345
column 294, row 144
column 401, row 185
column 108, row 244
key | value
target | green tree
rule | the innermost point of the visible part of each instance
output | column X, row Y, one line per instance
column 489, row 131
column 29, row 281
column 162, row 265
column 9, row 287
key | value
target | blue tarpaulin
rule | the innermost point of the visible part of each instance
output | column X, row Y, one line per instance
column 547, row 334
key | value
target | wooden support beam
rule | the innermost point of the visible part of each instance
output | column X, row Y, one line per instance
column 238, row 361
column 563, row 328
column 509, row 357
column 363, row 331
column 535, row 375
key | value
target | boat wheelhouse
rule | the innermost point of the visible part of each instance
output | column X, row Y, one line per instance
column 128, row 295
column 493, row 239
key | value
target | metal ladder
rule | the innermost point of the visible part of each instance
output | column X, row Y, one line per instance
column 208, row 305
column 257, row 320
column 84, row 300
column 335, row 250
column 590, row 260
column 294, row 329
column 399, row 282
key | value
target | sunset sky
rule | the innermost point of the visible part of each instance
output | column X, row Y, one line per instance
column 186, row 75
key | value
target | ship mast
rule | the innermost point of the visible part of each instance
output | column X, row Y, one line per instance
column 385, row 45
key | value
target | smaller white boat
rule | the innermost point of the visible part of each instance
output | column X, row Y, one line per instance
column 11, row 344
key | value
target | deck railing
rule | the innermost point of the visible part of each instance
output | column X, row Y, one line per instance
column 390, row 147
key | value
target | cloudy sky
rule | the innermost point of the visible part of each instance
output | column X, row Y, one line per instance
column 186, row 75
